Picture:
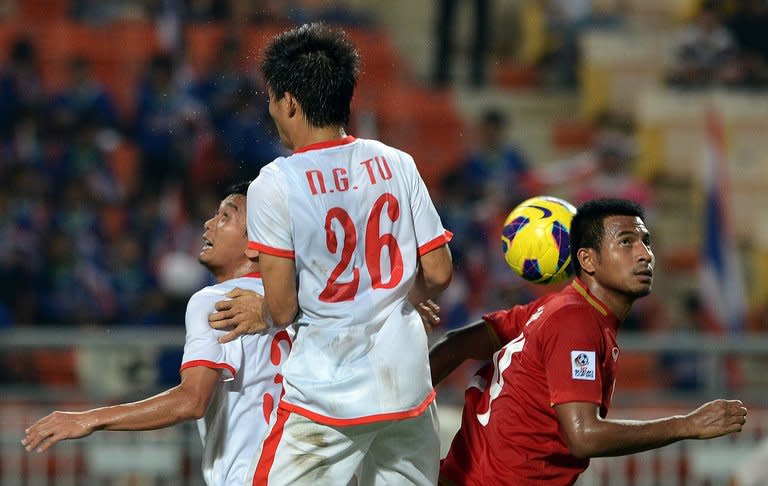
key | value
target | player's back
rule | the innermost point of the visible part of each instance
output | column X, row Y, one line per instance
column 237, row 418
column 360, row 217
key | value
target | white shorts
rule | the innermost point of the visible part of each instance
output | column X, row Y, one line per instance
column 298, row 451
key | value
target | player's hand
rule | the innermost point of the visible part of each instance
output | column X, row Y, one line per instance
column 242, row 314
column 429, row 311
column 716, row 418
column 56, row 427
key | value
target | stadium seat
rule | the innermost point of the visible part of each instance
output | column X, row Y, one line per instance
column 202, row 43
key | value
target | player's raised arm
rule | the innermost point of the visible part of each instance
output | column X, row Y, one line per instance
column 475, row 341
column 189, row 400
column 588, row 435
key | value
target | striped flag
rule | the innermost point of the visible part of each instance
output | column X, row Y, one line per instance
column 722, row 288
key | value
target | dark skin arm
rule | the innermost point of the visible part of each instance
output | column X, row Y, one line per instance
column 588, row 435
column 475, row 341
column 189, row 400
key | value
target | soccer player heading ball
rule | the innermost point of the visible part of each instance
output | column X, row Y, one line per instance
column 537, row 412
column 345, row 233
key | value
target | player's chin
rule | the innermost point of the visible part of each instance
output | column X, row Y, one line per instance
column 641, row 290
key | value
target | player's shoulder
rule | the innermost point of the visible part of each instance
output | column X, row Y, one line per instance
column 211, row 293
column 273, row 168
column 382, row 148
column 566, row 309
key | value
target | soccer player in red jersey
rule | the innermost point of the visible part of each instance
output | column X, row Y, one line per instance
column 537, row 412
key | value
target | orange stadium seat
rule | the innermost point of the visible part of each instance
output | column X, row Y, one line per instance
column 572, row 134
column 138, row 40
column 43, row 11
column 55, row 367
column 124, row 162
column 202, row 44
column 515, row 75
column 255, row 39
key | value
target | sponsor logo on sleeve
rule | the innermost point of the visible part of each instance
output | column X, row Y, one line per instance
column 583, row 365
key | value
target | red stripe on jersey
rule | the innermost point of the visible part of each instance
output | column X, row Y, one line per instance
column 269, row 449
column 327, row 144
column 368, row 419
column 207, row 364
column 252, row 245
column 253, row 275
column 436, row 243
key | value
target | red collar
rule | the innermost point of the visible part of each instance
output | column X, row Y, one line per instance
column 252, row 275
column 593, row 300
column 326, row 144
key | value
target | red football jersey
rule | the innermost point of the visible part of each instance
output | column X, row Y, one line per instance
column 560, row 348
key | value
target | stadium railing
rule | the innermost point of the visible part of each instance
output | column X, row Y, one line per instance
column 105, row 366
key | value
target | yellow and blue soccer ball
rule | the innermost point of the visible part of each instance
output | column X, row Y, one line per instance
column 536, row 239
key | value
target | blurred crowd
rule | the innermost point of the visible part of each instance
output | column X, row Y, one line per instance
column 88, row 238
column 725, row 44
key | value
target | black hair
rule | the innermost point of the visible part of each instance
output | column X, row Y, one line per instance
column 319, row 67
column 587, row 225
column 238, row 189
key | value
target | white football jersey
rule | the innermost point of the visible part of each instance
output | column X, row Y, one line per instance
column 237, row 419
column 355, row 215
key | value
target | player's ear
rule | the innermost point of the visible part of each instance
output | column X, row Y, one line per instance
column 587, row 258
column 252, row 254
column 291, row 104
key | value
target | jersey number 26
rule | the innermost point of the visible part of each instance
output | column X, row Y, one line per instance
column 336, row 291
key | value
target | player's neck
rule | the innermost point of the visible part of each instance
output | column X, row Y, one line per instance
column 241, row 270
column 619, row 303
column 313, row 135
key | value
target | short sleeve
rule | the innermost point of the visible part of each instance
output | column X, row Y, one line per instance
column 572, row 348
column 269, row 225
column 507, row 324
column 202, row 347
column 430, row 233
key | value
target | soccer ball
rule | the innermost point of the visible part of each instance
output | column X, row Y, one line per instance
column 535, row 239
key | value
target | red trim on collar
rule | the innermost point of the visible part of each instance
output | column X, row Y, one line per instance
column 593, row 300
column 326, row 144
column 253, row 275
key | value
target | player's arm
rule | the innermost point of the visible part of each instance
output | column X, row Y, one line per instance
column 475, row 341
column 434, row 275
column 281, row 302
column 188, row 400
column 589, row 435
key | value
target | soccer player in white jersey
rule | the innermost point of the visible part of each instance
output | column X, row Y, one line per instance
column 346, row 232
column 231, row 389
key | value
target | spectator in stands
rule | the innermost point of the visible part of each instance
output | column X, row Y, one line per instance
column 613, row 177
column 83, row 97
column 706, row 53
column 567, row 20
column 159, row 124
column 494, row 168
column 445, row 34
column 218, row 88
column 20, row 86
column 750, row 29
column 246, row 133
